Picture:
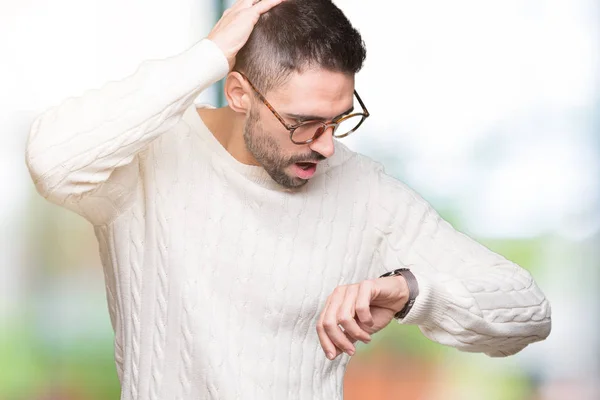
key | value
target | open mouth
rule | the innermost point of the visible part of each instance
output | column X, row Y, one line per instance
column 306, row 165
column 305, row 170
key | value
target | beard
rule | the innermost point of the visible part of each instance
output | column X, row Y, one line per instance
column 267, row 152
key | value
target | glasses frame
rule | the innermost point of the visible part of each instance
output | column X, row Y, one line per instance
column 318, row 132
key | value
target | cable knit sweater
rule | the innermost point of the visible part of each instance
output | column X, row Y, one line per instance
column 215, row 275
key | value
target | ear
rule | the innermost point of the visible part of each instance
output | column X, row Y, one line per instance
column 237, row 92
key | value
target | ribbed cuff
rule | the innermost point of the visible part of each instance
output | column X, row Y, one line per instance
column 430, row 305
column 209, row 58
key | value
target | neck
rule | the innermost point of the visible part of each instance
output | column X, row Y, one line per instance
column 227, row 126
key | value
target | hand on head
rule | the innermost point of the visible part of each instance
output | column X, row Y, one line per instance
column 235, row 26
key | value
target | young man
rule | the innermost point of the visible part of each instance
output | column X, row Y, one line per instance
column 243, row 244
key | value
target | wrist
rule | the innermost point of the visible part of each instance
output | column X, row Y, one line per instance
column 403, row 293
column 409, row 288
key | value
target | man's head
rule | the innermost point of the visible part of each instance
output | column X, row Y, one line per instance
column 302, row 56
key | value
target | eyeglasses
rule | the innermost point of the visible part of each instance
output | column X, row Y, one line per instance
column 310, row 130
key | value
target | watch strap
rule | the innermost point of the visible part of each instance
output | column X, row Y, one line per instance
column 413, row 289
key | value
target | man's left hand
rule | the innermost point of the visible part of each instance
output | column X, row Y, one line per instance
column 361, row 309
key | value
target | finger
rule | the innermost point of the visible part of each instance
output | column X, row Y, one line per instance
column 246, row 3
column 322, row 316
column 241, row 4
column 265, row 5
column 339, row 351
column 236, row 7
column 353, row 340
column 326, row 344
column 363, row 303
column 330, row 323
column 346, row 315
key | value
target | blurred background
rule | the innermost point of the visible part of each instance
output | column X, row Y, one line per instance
column 489, row 109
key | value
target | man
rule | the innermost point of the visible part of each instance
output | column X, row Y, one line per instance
column 241, row 245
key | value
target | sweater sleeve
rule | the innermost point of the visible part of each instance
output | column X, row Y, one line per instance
column 469, row 297
column 82, row 153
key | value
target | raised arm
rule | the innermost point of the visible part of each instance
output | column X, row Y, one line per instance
column 469, row 297
column 73, row 148
column 81, row 153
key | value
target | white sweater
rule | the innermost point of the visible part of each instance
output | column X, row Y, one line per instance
column 215, row 275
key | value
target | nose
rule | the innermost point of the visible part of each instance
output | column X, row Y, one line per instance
column 324, row 143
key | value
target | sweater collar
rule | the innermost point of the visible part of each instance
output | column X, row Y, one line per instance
column 254, row 173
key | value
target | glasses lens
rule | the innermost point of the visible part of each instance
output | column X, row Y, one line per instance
column 314, row 129
column 348, row 125
column 307, row 131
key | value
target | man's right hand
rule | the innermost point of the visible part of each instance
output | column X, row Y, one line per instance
column 235, row 26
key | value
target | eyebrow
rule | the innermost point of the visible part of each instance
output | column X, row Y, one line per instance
column 301, row 117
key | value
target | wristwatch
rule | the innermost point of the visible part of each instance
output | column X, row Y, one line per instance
column 413, row 289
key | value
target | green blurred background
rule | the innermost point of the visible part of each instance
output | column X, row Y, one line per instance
column 490, row 110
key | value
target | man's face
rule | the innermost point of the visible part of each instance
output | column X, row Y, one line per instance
column 314, row 94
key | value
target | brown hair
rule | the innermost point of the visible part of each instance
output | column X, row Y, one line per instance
column 296, row 35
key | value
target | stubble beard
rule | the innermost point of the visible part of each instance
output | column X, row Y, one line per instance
column 266, row 151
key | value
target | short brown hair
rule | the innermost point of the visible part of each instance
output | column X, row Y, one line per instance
column 300, row 34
